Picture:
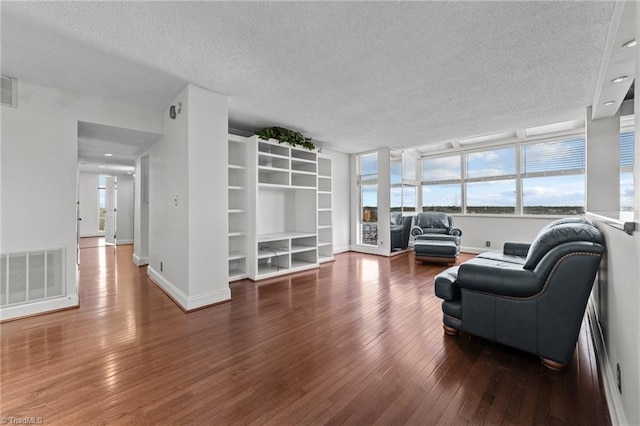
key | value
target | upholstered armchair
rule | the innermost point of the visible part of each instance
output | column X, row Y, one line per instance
column 400, row 227
column 530, row 296
column 436, row 239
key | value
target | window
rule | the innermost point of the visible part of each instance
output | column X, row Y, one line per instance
column 101, row 202
column 404, row 198
column 491, row 183
column 533, row 178
column 368, row 186
column 553, row 177
column 404, row 181
column 441, row 184
column 626, row 172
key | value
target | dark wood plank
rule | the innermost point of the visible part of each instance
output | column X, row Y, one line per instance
column 357, row 341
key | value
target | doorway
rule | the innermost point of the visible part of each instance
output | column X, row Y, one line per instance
column 108, row 209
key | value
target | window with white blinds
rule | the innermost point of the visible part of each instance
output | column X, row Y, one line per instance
column 490, row 181
column 442, row 184
column 494, row 163
column 441, row 169
column 627, row 197
column 552, row 158
column 533, row 178
column 552, row 176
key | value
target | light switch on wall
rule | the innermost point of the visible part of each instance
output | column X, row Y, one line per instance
column 175, row 200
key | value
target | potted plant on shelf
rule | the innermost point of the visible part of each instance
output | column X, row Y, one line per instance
column 285, row 135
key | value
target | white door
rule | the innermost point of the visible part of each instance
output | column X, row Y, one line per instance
column 110, row 210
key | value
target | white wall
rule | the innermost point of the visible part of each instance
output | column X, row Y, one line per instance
column 141, row 212
column 341, row 219
column 168, row 222
column 603, row 163
column 208, row 197
column 617, row 295
column 88, row 198
column 618, row 298
column 124, row 212
column 39, row 173
column 477, row 230
column 188, row 220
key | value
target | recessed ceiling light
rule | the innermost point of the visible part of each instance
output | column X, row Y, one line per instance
column 609, row 103
column 102, row 167
column 128, row 173
column 629, row 44
column 108, row 155
column 619, row 79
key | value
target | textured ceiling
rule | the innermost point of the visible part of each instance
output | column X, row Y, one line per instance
column 352, row 75
column 124, row 145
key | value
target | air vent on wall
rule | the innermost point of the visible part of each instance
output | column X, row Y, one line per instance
column 9, row 92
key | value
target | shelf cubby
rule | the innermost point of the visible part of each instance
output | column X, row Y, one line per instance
column 303, row 155
column 303, row 166
column 324, row 184
column 324, row 218
column 273, row 162
column 269, row 148
column 273, row 177
column 303, row 180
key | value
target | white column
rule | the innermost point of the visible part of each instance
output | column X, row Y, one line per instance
column 603, row 164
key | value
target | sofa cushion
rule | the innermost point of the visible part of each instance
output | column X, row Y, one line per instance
column 501, row 257
column 434, row 220
column 560, row 233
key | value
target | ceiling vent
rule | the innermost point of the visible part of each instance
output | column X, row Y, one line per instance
column 9, row 92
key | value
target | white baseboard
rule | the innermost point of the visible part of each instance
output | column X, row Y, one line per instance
column 475, row 250
column 120, row 242
column 343, row 249
column 189, row 303
column 139, row 261
column 616, row 411
column 36, row 308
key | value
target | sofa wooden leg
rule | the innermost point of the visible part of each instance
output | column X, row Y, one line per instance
column 553, row 365
column 450, row 331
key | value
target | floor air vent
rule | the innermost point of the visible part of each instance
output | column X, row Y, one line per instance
column 31, row 276
column 9, row 92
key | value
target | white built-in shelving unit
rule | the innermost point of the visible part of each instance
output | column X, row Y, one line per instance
column 280, row 208
column 283, row 200
column 325, row 209
column 238, row 216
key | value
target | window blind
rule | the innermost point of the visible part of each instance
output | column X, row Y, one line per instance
column 491, row 163
column 553, row 156
column 441, row 169
column 626, row 149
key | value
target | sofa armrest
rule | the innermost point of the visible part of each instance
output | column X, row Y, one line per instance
column 416, row 230
column 455, row 231
column 508, row 280
column 516, row 249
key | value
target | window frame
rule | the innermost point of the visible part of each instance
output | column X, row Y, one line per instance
column 518, row 176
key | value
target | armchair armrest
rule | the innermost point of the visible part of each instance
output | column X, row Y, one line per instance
column 516, row 249
column 455, row 231
column 508, row 280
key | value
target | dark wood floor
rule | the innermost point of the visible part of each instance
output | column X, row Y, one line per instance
column 358, row 341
